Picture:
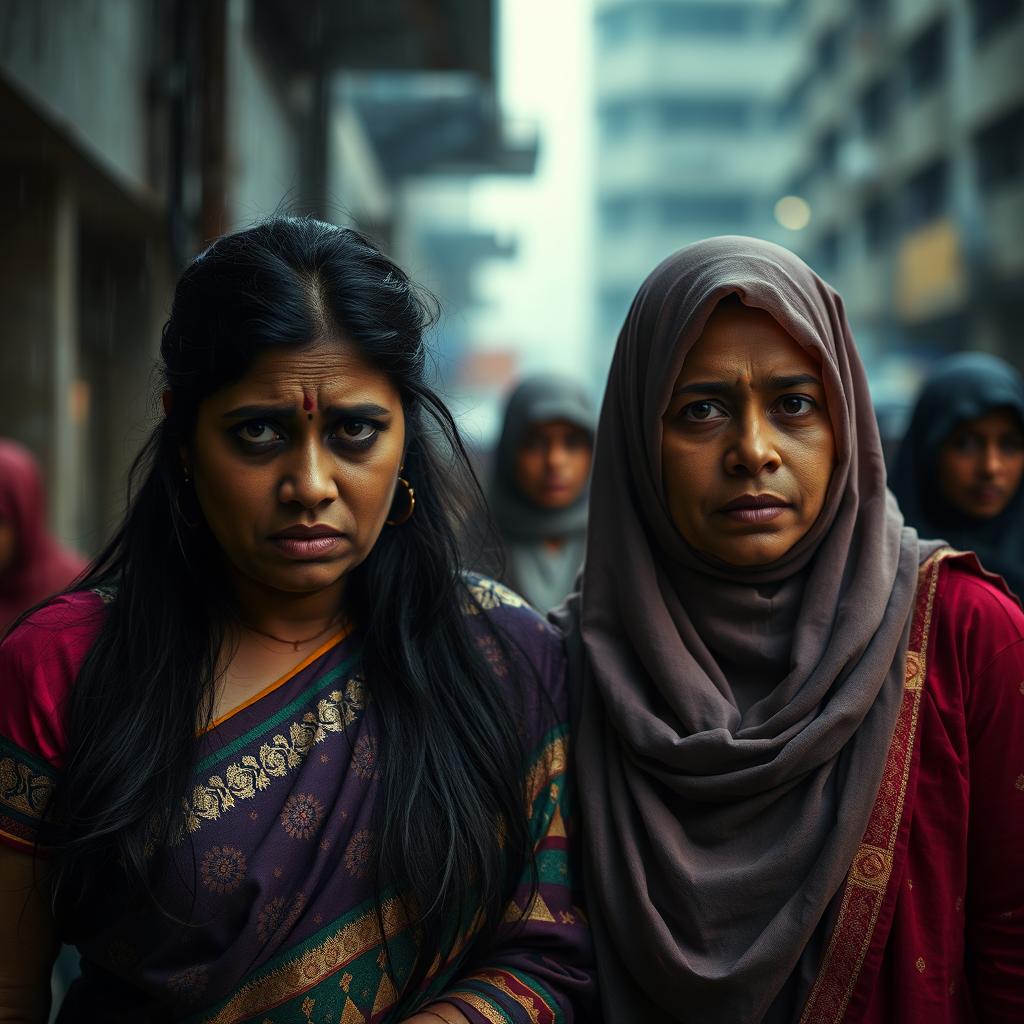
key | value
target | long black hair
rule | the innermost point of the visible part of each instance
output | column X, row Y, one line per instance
column 450, row 809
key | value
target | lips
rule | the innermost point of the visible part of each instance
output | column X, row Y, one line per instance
column 307, row 542
column 749, row 501
column 301, row 532
column 755, row 508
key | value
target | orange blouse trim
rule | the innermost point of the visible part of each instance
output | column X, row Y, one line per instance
column 290, row 674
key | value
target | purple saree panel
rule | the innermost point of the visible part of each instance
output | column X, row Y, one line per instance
column 269, row 897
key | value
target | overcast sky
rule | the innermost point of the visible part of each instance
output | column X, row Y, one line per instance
column 542, row 298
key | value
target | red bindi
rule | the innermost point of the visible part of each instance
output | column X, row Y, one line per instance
column 307, row 403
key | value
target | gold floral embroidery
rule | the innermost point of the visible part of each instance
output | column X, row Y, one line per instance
column 309, row 968
column 274, row 760
column 487, row 594
column 1020, row 783
column 21, row 789
column 920, row 965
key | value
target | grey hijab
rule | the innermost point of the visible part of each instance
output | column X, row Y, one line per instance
column 715, row 839
column 544, row 577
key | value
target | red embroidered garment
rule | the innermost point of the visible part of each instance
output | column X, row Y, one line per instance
column 931, row 927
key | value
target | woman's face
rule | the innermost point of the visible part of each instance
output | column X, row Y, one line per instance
column 747, row 446
column 981, row 464
column 295, row 465
column 553, row 463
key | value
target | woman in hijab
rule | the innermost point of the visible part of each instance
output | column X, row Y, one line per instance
column 959, row 470
column 800, row 727
column 539, row 489
column 33, row 564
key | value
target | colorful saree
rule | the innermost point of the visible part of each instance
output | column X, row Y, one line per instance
column 271, row 884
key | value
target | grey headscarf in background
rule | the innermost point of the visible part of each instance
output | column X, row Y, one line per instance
column 543, row 577
column 714, row 840
column 960, row 388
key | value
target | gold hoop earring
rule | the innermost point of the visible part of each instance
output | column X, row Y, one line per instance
column 410, row 494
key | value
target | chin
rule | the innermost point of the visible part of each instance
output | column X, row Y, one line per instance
column 751, row 556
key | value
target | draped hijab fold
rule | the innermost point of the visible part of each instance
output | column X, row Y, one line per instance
column 717, row 831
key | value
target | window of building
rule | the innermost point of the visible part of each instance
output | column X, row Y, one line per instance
column 826, row 257
column 720, row 209
column 925, row 59
column 616, row 120
column 999, row 149
column 704, row 114
column 925, row 195
column 794, row 104
column 615, row 26
column 703, row 19
column 875, row 106
column 988, row 15
column 787, row 16
column 618, row 214
column 878, row 226
column 828, row 52
column 828, row 153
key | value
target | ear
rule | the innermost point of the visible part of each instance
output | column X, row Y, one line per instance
column 167, row 401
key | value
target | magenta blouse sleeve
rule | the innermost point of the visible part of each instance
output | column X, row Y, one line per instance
column 39, row 661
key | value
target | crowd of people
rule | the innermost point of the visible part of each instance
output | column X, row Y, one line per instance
column 734, row 732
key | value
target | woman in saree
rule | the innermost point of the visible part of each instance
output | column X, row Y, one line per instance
column 960, row 466
column 800, row 736
column 276, row 758
column 539, row 488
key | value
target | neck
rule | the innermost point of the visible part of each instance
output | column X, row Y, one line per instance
column 289, row 617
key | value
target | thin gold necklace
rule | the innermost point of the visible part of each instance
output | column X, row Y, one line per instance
column 295, row 644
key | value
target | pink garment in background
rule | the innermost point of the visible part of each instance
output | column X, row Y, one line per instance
column 41, row 565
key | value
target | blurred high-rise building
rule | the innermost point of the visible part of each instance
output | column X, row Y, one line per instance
column 689, row 140
column 909, row 126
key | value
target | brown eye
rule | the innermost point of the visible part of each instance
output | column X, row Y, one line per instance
column 257, row 432
column 796, row 405
column 356, row 434
column 702, row 412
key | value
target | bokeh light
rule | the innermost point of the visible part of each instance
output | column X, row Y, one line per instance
column 793, row 213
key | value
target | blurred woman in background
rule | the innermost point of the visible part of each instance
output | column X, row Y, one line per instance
column 539, row 486
column 33, row 564
column 960, row 465
column 276, row 753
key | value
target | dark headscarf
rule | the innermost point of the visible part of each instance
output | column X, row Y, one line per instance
column 962, row 387
column 715, row 840
column 41, row 565
column 542, row 399
column 541, row 575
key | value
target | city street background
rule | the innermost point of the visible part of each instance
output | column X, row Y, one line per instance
column 527, row 161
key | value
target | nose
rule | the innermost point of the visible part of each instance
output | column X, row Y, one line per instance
column 993, row 463
column 310, row 481
column 556, row 455
column 753, row 449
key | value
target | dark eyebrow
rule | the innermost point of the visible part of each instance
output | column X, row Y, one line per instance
column 260, row 412
column 796, row 380
column 719, row 387
column 270, row 412
column 359, row 411
column 704, row 387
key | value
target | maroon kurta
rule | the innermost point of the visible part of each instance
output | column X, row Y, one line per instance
column 932, row 924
